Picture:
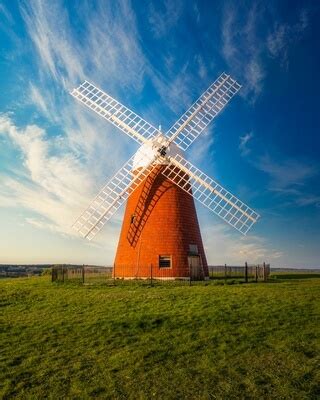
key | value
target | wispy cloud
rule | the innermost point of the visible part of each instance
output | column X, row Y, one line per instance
column 289, row 178
column 286, row 174
column 4, row 11
column 243, row 144
column 240, row 47
column 202, row 69
column 196, row 12
column 224, row 247
column 8, row 26
column 37, row 99
column 175, row 88
column 245, row 45
column 50, row 32
column 111, row 52
column 284, row 35
column 163, row 18
column 308, row 199
column 53, row 186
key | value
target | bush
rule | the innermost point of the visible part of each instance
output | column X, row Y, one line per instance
column 46, row 271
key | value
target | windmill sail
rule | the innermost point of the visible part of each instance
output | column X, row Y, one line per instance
column 210, row 194
column 113, row 111
column 201, row 113
column 112, row 196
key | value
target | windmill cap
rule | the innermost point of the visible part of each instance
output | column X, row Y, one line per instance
column 148, row 151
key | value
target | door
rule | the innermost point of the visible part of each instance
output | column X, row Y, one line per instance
column 195, row 267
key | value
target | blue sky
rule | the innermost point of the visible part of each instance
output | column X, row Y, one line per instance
column 157, row 58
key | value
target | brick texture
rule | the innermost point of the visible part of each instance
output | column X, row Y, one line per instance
column 160, row 219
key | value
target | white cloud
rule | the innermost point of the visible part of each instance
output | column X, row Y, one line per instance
column 55, row 187
column 202, row 148
column 202, row 70
column 40, row 223
column 162, row 21
column 241, row 48
column 39, row 101
column 50, row 32
column 110, row 54
column 4, row 11
column 308, row 200
column 289, row 177
column 176, row 90
column 284, row 35
column 243, row 144
column 245, row 45
column 286, row 174
column 112, row 49
column 196, row 12
column 222, row 247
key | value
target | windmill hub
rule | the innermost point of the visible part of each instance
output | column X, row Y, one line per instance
column 150, row 149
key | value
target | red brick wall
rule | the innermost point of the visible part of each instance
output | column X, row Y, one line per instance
column 165, row 223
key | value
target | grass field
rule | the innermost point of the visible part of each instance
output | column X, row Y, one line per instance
column 249, row 341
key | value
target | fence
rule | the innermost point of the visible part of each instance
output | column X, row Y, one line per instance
column 81, row 274
column 150, row 275
column 248, row 272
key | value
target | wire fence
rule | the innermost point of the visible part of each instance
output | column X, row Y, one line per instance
column 150, row 275
column 248, row 272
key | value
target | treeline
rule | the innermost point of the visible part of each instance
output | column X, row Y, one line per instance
column 18, row 270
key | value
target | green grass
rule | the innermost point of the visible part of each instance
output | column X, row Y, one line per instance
column 298, row 275
column 249, row 341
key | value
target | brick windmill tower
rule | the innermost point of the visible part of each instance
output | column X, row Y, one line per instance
column 160, row 226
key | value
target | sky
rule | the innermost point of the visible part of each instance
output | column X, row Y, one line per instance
column 157, row 57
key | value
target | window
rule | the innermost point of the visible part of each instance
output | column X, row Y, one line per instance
column 164, row 261
column 193, row 250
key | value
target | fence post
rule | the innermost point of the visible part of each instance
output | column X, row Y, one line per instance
column 114, row 274
column 63, row 274
column 257, row 273
column 151, row 275
column 190, row 278
column 82, row 274
column 264, row 272
column 225, row 273
column 246, row 272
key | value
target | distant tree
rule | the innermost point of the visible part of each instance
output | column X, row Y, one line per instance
column 46, row 271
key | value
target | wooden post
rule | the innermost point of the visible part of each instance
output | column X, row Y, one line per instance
column 264, row 272
column 257, row 266
column 225, row 273
column 62, row 274
column 246, row 272
column 151, row 275
column 114, row 274
column 82, row 274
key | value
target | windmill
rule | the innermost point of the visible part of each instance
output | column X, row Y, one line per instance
column 160, row 225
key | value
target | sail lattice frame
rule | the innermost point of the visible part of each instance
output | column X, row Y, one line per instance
column 195, row 120
column 212, row 195
column 112, row 196
column 115, row 112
